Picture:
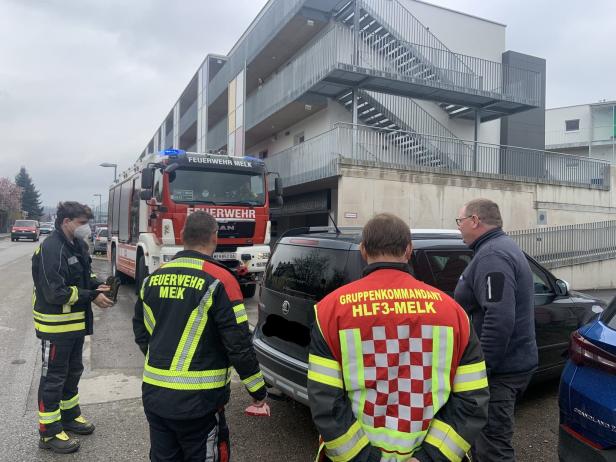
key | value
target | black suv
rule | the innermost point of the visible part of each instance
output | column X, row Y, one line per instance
column 309, row 263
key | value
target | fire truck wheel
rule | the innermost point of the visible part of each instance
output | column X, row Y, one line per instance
column 248, row 290
column 141, row 274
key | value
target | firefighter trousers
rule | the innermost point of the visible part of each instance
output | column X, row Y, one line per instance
column 495, row 440
column 204, row 439
column 58, row 397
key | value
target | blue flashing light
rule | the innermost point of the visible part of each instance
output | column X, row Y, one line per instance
column 254, row 159
column 172, row 152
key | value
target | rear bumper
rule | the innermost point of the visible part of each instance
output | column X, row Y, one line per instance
column 573, row 449
column 282, row 371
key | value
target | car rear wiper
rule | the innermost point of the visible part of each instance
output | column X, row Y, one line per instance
column 297, row 292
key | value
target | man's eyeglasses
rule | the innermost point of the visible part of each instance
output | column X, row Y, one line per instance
column 461, row 219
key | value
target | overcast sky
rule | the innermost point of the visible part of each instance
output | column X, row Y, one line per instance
column 89, row 81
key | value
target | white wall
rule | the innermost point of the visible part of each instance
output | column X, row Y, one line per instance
column 460, row 32
column 555, row 133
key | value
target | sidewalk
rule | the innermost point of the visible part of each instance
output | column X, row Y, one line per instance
column 4, row 236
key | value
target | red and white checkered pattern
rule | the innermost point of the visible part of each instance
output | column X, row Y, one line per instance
column 398, row 378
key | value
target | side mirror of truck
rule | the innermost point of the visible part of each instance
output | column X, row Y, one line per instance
column 278, row 186
column 276, row 202
column 145, row 195
column 147, row 178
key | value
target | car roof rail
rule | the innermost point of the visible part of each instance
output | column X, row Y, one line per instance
column 319, row 229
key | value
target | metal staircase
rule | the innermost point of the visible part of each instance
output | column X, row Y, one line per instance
column 426, row 58
column 375, row 114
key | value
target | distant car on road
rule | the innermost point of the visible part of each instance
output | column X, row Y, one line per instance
column 587, row 397
column 46, row 227
column 100, row 241
column 25, row 229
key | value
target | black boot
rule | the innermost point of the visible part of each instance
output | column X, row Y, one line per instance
column 60, row 443
column 80, row 426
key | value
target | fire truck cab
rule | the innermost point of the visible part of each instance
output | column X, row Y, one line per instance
column 149, row 204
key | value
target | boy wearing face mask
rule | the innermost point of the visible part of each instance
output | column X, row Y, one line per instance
column 64, row 288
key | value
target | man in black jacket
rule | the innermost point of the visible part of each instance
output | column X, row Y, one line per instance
column 191, row 324
column 496, row 289
column 64, row 287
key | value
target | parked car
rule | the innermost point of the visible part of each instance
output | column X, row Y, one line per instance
column 308, row 264
column 46, row 227
column 100, row 241
column 587, row 397
column 25, row 229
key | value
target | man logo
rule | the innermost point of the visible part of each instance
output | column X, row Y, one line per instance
column 286, row 306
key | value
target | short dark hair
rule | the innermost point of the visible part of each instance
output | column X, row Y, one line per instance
column 386, row 234
column 72, row 210
column 199, row 229
column 486, row 210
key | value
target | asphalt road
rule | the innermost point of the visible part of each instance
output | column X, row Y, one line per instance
column 110, row 389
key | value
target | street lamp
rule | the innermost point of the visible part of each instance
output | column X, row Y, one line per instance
column 100, row 206
column 115, row 166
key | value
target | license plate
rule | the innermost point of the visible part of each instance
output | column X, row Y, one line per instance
column 224, row 255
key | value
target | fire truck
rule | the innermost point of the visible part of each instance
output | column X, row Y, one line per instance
column 149, row 203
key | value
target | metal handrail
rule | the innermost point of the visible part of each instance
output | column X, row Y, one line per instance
column 558, row 246
column 263, row 28
column 319, row 158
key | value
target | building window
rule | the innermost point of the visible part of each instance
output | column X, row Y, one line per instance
column 298, row 139
column 572, row 125
column 263, row 154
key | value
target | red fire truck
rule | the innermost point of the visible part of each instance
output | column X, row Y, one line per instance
column 149, row 204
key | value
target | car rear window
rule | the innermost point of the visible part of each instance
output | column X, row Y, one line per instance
column 303, row 271
column 31, row 223
column 609, row 315
column 102, row 233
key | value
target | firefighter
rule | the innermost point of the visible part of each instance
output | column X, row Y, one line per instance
column 64, row 287
column 191, row 324
column 396, row 372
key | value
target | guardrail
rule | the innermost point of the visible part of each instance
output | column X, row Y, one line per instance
column 559, row 246
column 318, row 158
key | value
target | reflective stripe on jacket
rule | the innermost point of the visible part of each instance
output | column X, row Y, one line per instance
column 191, row 322
column 395, row 371
column 64, row 287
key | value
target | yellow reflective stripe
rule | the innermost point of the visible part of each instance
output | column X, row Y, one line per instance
column 190, row 263
column 38, row 250
column 186, row 380
column 93, row 275
column 148, row 318
column 69, row 403
column 59, row 329
column 78, row 316
column 445, row 439
column 33, row 297
column 316, row 320
column 49, row 417
column 347, row 446
column 254, row 382
column 240, row 313
column 193, row 331
column 324, row 370
column 74, row 295
column 325, row 362
column 325, row 379
column 470, row 377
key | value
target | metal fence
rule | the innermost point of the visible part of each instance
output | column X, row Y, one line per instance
column 319, row 157
column 567, row 245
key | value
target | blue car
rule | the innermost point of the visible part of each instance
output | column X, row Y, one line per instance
column 587, row 396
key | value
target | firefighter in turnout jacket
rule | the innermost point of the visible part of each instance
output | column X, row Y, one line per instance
column 396, row 372
column 64, row 287
column 191, row 324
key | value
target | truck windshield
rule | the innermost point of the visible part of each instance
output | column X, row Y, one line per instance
column 217, row 187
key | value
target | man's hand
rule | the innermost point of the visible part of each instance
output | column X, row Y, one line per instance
column 102, row 301
column 259, row 409
column 103, row 288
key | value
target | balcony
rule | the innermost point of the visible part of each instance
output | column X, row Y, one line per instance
column 327, row 68
column 320, row 158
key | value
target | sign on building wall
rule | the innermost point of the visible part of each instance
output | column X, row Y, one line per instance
column 235, row 128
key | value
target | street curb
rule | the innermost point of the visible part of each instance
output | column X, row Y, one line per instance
column 5, row 237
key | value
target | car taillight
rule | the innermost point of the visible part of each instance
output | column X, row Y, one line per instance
column 584, row 353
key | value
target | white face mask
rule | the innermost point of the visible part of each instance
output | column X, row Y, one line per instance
column 82, row 232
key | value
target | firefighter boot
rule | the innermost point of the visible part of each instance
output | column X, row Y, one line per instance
column 80, row 426
column 60, row 443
